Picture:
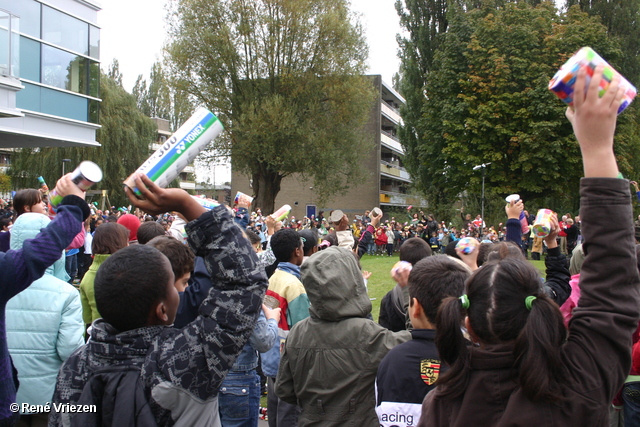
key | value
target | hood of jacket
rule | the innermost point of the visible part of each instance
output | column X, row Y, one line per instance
column 335, row 286
column 27, row 226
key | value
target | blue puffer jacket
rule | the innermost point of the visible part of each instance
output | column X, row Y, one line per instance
column 44, row 322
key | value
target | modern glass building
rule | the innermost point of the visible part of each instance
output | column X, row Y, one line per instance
column 49, row 73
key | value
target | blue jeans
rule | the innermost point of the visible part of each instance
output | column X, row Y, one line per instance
column 71, row 265
column 239, row 399
column 631, row 397
column 371, row 249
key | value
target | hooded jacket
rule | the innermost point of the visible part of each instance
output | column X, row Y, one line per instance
column 329, row 362
column 44, row 322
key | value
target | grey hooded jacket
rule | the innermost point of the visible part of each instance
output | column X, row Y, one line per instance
column 329, row 362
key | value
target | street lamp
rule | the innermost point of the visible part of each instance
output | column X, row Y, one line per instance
column 63, row 162
column 484, row 167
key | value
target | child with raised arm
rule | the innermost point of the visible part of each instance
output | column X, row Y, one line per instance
column 19, row 268
column 138, row 369
column 525, row 369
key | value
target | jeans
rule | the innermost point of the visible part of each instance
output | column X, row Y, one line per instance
column 239, row 399
column 631, row 397
column 371, row 249
column 71, row 265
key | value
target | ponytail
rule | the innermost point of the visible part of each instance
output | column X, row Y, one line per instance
column 453, row 348
column 537, row 352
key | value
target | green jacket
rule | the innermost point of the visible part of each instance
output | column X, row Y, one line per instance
column 87, row 294
column 329, row 362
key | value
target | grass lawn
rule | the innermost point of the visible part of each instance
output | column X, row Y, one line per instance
column 381, row 282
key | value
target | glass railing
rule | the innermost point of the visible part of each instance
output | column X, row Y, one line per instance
column 9, row 44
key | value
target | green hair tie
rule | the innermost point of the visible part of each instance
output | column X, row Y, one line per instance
column 528, row 301
column 465, row 301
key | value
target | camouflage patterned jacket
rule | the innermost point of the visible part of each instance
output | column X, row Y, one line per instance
column 182, row 369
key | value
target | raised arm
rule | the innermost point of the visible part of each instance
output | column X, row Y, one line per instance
column 210, row 344
column 19, row 268
column 607, row 313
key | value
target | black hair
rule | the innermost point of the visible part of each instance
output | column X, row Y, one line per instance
column 26, row 198
column 484, row 249
column 4, row 222
column 129, row 284
column 112, row 218
column 433, row 279
column 498, row 315
column 148, row 230
column 414, row 249
column 179, row 254
column 252, row 236
column 450, row 249
column 310, row 241
column 284, row 242
column 331, row 238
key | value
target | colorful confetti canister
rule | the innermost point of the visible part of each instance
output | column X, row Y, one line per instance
column 400, row 266
column 376, row 212
column 179, row 151
column 43, row 184
column 241, row 197
column 281, row 213
column 208, row 204
column 542, row 225
column 84, row 176
column 562, row 84
column 467, row 245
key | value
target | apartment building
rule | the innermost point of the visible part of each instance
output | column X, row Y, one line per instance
column 387, row 184
column 49, row 73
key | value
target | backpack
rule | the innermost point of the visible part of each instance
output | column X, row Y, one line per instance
column 119, row 396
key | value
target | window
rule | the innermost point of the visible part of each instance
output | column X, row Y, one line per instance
column 63, row 69
column 29, row 13
column 94, row 42
column 65, row 31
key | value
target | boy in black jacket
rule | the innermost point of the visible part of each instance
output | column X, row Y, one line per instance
column 408, row 372
column 161, row 374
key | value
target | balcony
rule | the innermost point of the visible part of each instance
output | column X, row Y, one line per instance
column 391, row 113
column 391, row 142
column 9, row 45
column 394, row 171
column 389, row 198
column 187, row 185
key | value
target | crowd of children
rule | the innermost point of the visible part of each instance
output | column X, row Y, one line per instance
column 180, row 310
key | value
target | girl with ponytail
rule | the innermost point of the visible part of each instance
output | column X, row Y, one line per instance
column 524, row 368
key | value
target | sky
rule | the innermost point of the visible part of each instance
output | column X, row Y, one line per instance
column 133, row 32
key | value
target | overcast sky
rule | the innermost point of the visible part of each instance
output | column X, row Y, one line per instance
column 133, row 31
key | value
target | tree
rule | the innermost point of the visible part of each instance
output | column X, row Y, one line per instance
column 5, row 183
column 622, row 19
column 124, row 137
column 425, row 23
column 285, row 76
column 487, row 101
column 163, row 98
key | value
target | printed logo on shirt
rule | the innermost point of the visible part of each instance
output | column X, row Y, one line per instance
column 429, row 370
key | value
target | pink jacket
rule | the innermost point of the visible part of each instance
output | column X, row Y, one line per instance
column 567, row 308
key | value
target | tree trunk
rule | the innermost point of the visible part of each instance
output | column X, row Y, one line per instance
column 266, row 186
